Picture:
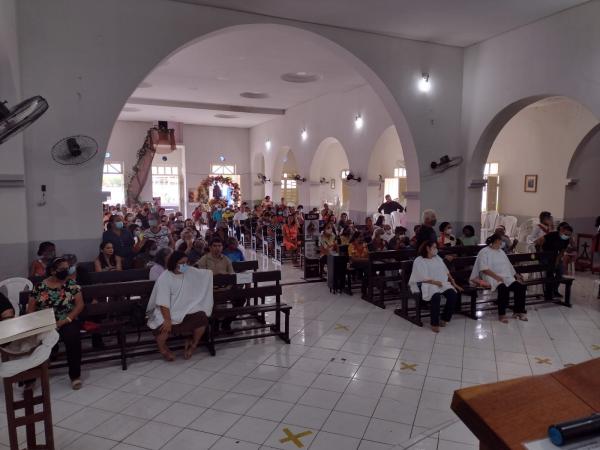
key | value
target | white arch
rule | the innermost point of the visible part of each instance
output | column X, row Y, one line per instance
column 328, row 161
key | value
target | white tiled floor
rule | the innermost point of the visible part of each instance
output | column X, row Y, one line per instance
column 354, row 377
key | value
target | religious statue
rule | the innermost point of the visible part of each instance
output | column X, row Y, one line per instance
column 217, row 192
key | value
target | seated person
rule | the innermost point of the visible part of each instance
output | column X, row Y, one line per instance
column 198, row 250
column 345, row 236
column 493, row 266
column 327, row 244
column 435, row 281
column 232, row 251
column 400, row 240
column 46, row 253
column 507, row 245
column 160, row 263
column 468, row 236
column 414, row 238
column 6, row 308
column 180, row 303
column 359, row 257
column 107, row 260
column 377, row 243
column 187, row 238
column 387, row 233
column 446, row 238
column 214, row 260
column 63, row 295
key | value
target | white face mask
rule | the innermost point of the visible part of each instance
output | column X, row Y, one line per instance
column 448, row 231
column 434, row 252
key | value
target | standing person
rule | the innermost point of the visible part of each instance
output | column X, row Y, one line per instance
column 327, row 244
column 121, row 239
column 46, row 253
column 435, row 281
column 359, row 258
column 106, row 259
column 389, row 206
column 556, row 243
column 493, row 266
column 544, row 227
column 426, row 232
column 325, row 211
column 266, row 203
column 180, row 303
column 63, row 295
column 158, row 233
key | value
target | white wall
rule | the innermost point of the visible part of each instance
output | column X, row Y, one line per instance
column 582, row 201
column 14, row 235
column 203, row 146
column 559, row 55
column 328, row 162
column 539, row 140
column 96, row 64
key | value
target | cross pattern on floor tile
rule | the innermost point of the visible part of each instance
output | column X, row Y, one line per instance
column 596, row 347
column 408, row 366
column 339, row 326
column 543, row 360
column 294, row 438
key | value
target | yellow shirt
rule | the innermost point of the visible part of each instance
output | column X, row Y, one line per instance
column 218, row 266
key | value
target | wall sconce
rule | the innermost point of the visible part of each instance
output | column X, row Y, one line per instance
column 358, row 122
column 424, row 84
column 299, row 178
column 304, row 134
column 268, row 144
column 323, row 180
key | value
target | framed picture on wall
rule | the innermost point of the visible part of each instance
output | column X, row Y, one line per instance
column 531, row 183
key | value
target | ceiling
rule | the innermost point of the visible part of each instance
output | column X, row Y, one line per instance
column 451, row 22
column 217, row 70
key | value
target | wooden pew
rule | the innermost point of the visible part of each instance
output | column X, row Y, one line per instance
column 243, row 266
column 113, row 276
column 460, row 269
column 255, row 307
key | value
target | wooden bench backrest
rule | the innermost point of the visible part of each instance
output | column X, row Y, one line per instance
column 140, row 288
column 243, row 266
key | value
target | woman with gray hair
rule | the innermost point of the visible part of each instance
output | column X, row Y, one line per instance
column 160, row 263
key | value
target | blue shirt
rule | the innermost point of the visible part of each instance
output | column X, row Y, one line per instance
column 234, row 255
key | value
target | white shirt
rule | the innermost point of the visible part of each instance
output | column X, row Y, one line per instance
column 155, row 271
column 182, row 294
column 240, row 216
column 429, row 269
column 496, row 261
column 161, row 237
column 537, row 233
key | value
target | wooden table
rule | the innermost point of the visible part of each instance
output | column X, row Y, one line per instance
column 507, row 414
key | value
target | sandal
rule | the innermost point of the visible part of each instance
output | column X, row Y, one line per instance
column 435, row 329
column 189, row 349
column 443, row 323
column 521, row 316
column 503, row 319
column 76, row 384
column 167, row 355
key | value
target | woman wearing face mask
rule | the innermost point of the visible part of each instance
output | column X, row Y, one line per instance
column 63, row 295
column 435, row 281
column 180, row 303
column 46, row 253
column 493, row 266
column 121, row 239
column 107, row 260
column 446, row 238
column 158, row 233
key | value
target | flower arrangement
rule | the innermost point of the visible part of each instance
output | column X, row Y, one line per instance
column 202, row 192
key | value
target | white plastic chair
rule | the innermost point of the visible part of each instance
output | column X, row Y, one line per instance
column 387, row 219
column 13, row 287
column 399, row 219
column 525, row 230
column 510, row 224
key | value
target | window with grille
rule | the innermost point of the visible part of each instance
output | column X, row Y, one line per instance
column 113, row 182
column 165, row 184
column 289, row 190
column 221, row 169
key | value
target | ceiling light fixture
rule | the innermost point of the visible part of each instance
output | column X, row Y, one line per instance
column 268, row 144
column 424, row 84
column 300, row 77
column 358, row 122
column 221, row 158
column 304, row 134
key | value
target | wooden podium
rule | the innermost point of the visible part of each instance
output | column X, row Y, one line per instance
column 13, row 330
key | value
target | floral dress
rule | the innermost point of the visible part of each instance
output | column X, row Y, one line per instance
column 61, row 299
